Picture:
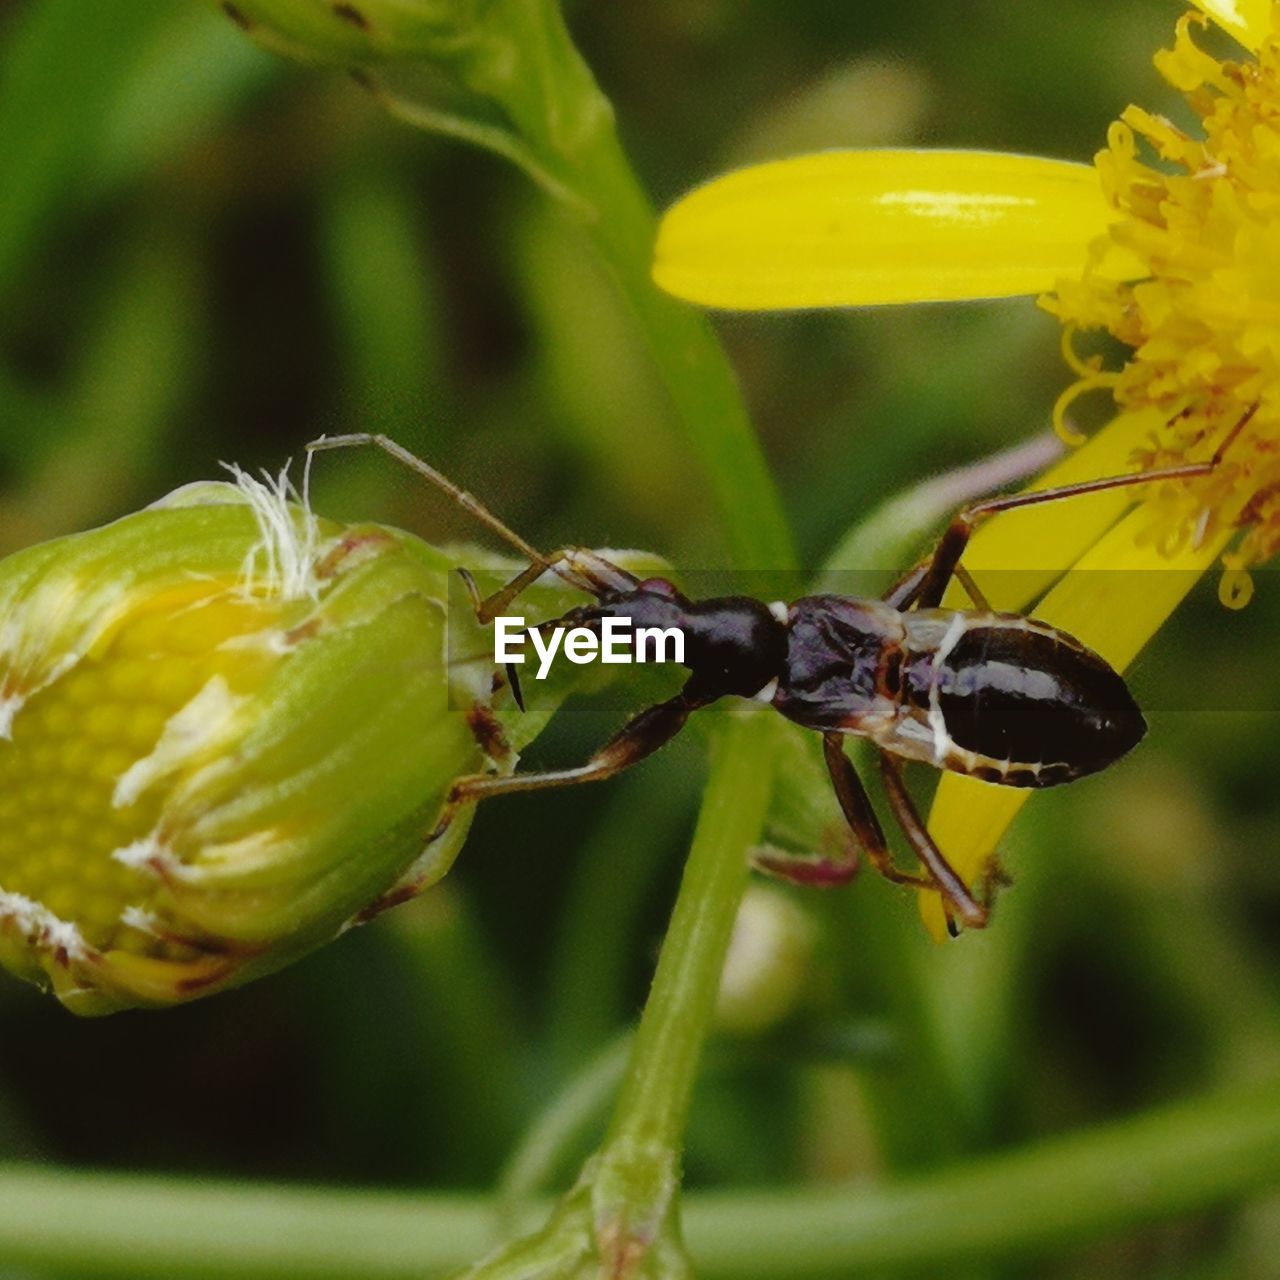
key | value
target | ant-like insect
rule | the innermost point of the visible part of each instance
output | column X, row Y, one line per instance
column 997, row 696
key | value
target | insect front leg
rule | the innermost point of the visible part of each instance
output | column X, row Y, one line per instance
column 586, row 570
column 582, row 568
column 454, row 492
column 640, row 737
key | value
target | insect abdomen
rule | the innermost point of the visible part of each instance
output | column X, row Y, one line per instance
column 1017, row 702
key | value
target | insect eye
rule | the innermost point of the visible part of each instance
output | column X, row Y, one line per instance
column 659, row 587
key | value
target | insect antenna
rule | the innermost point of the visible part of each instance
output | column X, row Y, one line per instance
column 468, row 502
column 582, row 569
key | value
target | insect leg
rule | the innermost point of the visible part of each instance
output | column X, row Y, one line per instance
column 583, row 569
column 640, row 737
column 906, row 589
column 861, row 817
column 513, row 669
column 955, row 892
column 972, row 590
column 832, row 868
column 929, row 591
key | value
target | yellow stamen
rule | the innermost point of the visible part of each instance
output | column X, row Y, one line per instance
column 1203, row 319
column 1090, row 380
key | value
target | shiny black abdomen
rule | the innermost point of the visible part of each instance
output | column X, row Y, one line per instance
column 1019, row 691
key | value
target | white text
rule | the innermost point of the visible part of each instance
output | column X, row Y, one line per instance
column 616, row 641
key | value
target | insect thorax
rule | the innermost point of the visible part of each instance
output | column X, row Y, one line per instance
column 843, row 664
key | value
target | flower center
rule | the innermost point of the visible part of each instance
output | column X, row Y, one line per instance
column 72, row 742
column 1203, row 322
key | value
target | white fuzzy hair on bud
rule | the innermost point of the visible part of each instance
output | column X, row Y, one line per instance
column 34, row 921
column 282, row 563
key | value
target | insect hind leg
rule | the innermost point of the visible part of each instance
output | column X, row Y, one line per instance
column 926, row 591
column 856, row 806
column 943, row 876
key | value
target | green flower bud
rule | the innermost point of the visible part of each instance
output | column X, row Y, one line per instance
column 225, row 726
column 358, row 31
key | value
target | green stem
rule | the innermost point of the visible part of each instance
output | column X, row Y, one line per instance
column 558, row 125
column 1069, row 1191
column 655, row 1095
column 560, row 113
column 1169, row 1161
column 635, row 1178
column 570, row 124
column 579, row 1106
column 692, row 365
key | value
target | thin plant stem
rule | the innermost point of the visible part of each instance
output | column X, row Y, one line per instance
column 895, row 531
column 560, row 128
column 1066, row 1192
column 452, row 124
column 692, row 365
column 655, row 1095
column 637, row 1173
column 619, row 861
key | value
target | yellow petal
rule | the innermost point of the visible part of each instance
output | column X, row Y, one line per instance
column 850, row 228
column 1114, row 599
column 1248, row 20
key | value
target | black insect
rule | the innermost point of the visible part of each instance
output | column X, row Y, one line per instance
column 997, row 696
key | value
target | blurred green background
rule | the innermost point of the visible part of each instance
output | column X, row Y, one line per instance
column 207, row 254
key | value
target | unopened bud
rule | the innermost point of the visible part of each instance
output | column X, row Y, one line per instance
column 768, row 965
column 225, row 728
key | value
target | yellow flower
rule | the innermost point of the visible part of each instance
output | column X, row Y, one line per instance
column 1170, row 243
